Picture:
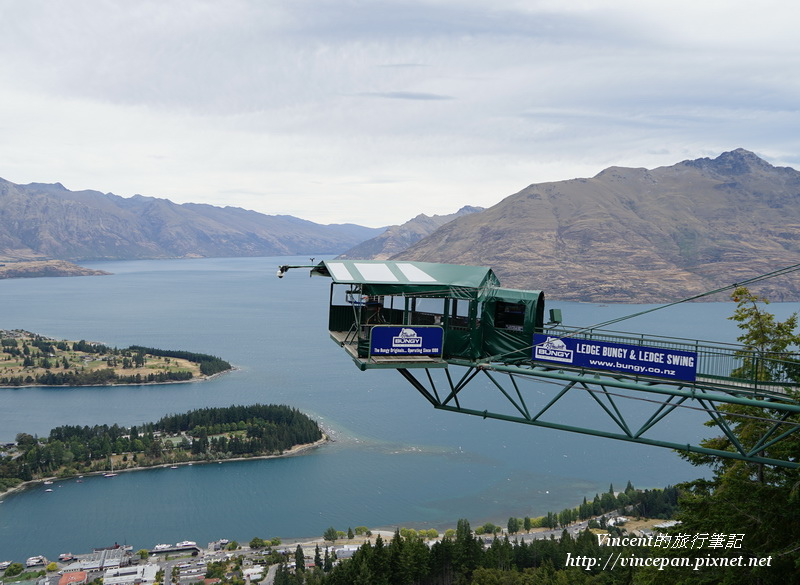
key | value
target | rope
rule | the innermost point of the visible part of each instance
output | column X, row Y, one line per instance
column 779, row 272
column 765, row 276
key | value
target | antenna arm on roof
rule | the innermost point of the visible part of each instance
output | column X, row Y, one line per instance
column 285, row 268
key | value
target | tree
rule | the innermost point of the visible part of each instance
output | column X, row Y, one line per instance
column 25, row 441
column 466, row 553
column 765, row 355
column 327, row 563
column 331, row 534
column 754, row 506
column 282, row 576
column 299, row 559
column 14, row 569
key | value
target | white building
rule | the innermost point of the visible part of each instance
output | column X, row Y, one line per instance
column 135, row 575
column 254, row 573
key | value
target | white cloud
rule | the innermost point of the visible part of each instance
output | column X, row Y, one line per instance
column 375, row 112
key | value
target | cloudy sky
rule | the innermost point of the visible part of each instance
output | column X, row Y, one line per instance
column 373, row 111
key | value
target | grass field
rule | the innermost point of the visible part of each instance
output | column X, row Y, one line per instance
column 61, row 356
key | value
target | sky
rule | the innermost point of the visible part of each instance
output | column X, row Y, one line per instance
column 374, row 111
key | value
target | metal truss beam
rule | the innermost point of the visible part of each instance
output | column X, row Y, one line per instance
column 779, row 414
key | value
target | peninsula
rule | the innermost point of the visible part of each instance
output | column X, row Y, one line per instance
column 204, row 435
column 28, row 359
column 43, row 268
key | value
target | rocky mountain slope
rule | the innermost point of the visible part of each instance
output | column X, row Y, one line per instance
column 49, row 221
column 397, row 238
column 637, row 235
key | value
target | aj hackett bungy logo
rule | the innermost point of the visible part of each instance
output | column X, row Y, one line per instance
column 416, row 340
column 621, row 357
column 554, row 350
column 407, row 338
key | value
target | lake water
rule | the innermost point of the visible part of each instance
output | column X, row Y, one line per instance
column 395, row 460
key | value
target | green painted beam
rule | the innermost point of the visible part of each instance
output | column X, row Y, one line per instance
column 608, row 435
column 695, row 392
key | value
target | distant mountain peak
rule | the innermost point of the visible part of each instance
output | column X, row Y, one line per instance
column 732, row 163
column 397, row 238
column 49, row 186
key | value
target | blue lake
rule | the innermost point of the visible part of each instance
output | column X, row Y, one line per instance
column 394, row 461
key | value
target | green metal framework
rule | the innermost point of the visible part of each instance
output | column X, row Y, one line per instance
column 779, row 415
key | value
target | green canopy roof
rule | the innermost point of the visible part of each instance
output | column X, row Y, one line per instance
column 401, row 275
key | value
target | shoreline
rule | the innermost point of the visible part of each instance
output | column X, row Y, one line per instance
column 292, row 452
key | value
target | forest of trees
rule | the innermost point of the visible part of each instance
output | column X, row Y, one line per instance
column 464, row 556
column 243, row 430
column 205, row 434
column 461, row 558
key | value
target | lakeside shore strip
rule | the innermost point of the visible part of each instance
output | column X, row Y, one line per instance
column 196, row 378
column 292, row 452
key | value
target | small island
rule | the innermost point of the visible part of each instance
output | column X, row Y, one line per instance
column 28, row 359
column 204, row 435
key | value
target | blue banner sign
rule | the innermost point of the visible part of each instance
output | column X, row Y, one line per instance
column 416, row 340
column 619, row 357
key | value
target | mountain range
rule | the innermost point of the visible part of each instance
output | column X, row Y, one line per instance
column 48, row 221
column 624, row 235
